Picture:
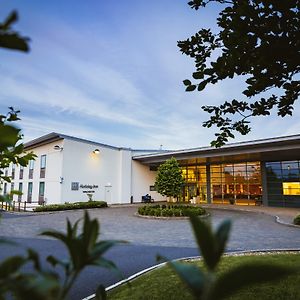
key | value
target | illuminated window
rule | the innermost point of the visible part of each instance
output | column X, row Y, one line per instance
column 291, row 188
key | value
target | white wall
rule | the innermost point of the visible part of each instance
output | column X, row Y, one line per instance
column 142, row 178
column 52, row 175
column 103, row 170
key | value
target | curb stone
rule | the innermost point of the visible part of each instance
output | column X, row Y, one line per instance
column 277, row 218
column 193, row 258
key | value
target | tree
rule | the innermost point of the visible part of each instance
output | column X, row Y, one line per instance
column 11, row 147
column 259, row 39
column 169, row 179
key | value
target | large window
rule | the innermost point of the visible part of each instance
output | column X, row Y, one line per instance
column 41, row 193
column 20, row 191
column 31, row 167
column 21, row 172
column 240, row 182
column 283, row 183
column 194, row 189
column 43, row 166
column 29, row 192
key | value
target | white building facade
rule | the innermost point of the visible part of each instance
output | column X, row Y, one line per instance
column 69, row 169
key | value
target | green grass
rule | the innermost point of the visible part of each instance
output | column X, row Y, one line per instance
column 164, row 284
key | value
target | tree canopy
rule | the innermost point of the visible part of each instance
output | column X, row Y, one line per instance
column 259, row 39
column 169, row 179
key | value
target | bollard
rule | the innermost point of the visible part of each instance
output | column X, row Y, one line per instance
column 19, row 206
column 25, row 206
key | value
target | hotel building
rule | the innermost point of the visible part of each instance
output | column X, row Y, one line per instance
column 70, row 169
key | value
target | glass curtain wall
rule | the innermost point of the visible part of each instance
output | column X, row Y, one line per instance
column 240, row 183
column 283, row 183
column 194, row 189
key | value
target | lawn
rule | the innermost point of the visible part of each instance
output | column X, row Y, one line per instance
column 164, row 284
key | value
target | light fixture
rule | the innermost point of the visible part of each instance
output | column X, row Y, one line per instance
column 96, row 151
column 58, row 148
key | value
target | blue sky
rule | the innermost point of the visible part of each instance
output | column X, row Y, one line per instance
column 110, row 71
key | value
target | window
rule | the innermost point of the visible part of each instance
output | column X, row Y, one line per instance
column 41, row 193
column 13, row 171
column 31, row 166
column 29, row 192
column 21, row 172
column 12, row 187
column 20, row 190
column 5, row 188
column 291, row 188
column 43, row 166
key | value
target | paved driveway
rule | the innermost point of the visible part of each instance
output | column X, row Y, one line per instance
column 250, row 230
column 171, row 238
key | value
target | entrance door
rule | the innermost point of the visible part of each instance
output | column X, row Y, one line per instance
column 108, row 194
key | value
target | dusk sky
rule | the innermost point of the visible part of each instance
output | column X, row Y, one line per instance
column 111, row 71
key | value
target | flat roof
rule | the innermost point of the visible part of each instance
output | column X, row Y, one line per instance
column 261, row 149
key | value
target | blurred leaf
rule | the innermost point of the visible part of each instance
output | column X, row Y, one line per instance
column 9, row 135
column 191, row 275
column 245, row 275
column 12, row 18
column 205, row 240
column 11, row 265
column 100, row 293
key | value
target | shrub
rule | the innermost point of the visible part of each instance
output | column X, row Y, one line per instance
column 68, row 206
column 141, row 210
column 171, row 210
column 297, row 220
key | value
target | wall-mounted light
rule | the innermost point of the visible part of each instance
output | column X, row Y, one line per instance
column 58, row 148
column 96, row 151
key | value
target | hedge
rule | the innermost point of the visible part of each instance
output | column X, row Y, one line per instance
column 68, row 206
column 171, row 210
column 297, row 220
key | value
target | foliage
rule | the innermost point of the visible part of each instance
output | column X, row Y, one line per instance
column 297, row 220
column 206, row 285
column 11, row 147
column 10, row 38
column 68, row 206
column 44, row 283
column 171, row 210
column 259, row 39
column 163, row 284
column 169, row 179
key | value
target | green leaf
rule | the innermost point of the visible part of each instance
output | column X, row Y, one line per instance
column 191, row 275
column 9, row 135
column 205, row 240
column 190, row 88
column 11, row 265
column 100, row 293
column 12, row 18
column 222, row 236
column 187, row 82
column 245, row 275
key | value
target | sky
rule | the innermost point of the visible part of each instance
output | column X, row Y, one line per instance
column 111, row 72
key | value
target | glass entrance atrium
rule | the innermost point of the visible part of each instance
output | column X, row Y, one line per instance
column 239, row 183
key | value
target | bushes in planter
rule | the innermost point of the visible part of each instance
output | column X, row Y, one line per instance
column 297, row 220
column 171, row 210
column 68, row 206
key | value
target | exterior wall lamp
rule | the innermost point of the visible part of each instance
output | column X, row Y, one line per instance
column 58, row 148
column 96, row 151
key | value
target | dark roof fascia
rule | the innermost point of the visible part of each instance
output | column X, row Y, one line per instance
column 53, row 136
column 229, row 149
column 43, row 140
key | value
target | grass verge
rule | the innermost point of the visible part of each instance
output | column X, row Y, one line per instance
column 164, row 284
